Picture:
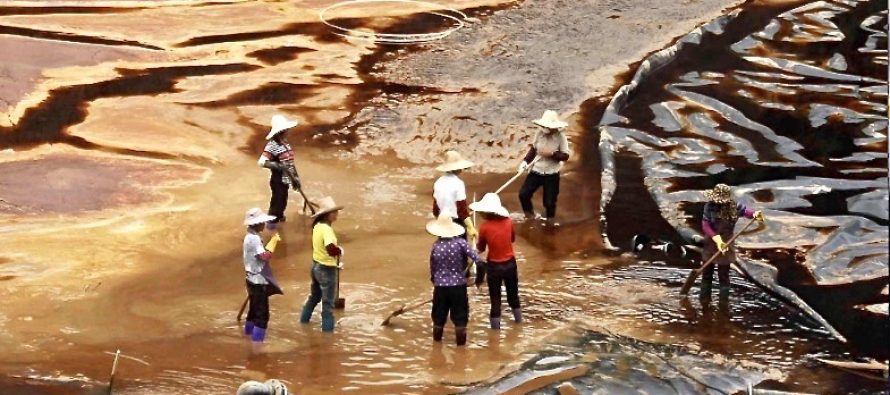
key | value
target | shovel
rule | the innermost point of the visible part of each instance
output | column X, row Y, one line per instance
column 306, row 202
column 697, row 272
column 339, row 303
column 404, row 309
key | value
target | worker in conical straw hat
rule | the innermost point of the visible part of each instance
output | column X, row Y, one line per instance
column 450, row 193
column 260, row 282
column 278, row 156
column 552, row 148
column 270, row 387
column 718, row 224
column 497, row 236
column 326, row 260
column 448, row 259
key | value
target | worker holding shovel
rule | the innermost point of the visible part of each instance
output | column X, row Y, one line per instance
column 447, row 266
column 450, row 193
column 326, row 254
column 279, row 158
column 551, row 148
column 260, row 282
column 718, row 222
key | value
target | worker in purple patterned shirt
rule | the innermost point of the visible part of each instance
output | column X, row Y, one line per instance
column 718, row 223
column 447, row 267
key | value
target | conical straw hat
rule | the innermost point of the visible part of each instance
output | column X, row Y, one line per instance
column 453, row 161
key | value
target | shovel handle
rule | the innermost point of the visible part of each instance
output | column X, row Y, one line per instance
column 518, row 173
column 697, row 272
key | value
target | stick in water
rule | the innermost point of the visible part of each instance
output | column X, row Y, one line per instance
column 117, row 355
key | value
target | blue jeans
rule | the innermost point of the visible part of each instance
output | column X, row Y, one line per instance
column 324, row 285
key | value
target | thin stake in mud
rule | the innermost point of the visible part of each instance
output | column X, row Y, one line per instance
column 697, row 272
column 117, row 356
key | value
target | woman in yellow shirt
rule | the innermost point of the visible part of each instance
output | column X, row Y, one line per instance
column 326, row 255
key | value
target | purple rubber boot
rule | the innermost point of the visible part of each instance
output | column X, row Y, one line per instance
column 248, row 328
column 517, row 314
column 259, row 334
column 495, row 322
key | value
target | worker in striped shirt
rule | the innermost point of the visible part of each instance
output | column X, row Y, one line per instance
column 279, row 158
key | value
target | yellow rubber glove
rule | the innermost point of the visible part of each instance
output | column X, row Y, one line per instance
column 273, row 242
column 472, row 233
column 721, row 246
column 758, row 215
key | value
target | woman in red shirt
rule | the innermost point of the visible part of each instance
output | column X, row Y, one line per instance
column 497, row 235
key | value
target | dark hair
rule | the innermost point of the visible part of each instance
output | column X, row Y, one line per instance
column 320, row 218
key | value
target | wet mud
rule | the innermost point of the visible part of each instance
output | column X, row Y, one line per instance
column 135, row 171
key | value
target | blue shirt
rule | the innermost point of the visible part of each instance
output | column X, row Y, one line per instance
column 448, row 261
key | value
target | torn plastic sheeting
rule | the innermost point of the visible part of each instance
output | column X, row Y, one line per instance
column 765, row 276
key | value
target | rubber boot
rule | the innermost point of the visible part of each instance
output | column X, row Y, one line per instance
column 724, row 292
column 306, row 315
column 327, row 323
column 705, row 291
column 271, row 226
column 258, row 335
column 460, row 335
column 248, row 328
column 438, row 331
column 495, row 322
column 517, row 315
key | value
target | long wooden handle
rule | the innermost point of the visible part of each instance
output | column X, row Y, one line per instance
column 728, row 243
column 519, row 173
column 695, row 273
column 243, row 306
column 308, row 203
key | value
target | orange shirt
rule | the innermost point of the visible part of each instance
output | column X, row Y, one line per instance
column 497, row 235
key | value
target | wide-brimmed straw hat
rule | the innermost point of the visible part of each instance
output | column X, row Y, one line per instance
column 550, row 120
column 490, row 203
column 326, row 205
column 280, row 124
column 721, row 193
column 444, row 226
column 270, row 387
column 256, row 216
column 453, row 162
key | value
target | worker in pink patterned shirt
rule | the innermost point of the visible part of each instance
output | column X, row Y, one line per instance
column 718, row 224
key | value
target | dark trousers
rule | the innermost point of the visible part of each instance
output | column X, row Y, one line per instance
column 534, row 181
column 722, row 262
column 324, row 285
column 502, row 273
column 258, row 313
column 454, row 300
column 278, row 202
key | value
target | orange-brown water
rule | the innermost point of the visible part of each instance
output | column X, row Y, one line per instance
column 130, row 158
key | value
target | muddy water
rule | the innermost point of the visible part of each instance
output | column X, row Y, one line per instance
column 150, row 161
